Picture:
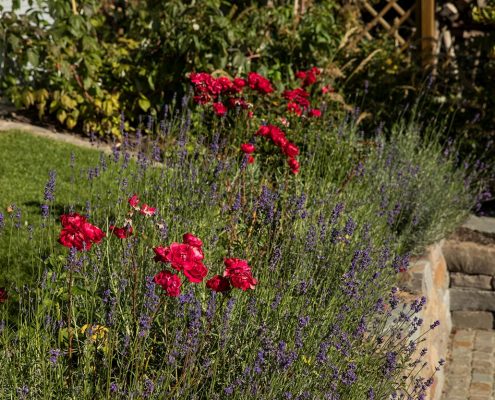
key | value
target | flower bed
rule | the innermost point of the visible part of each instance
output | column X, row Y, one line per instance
column 202, row 274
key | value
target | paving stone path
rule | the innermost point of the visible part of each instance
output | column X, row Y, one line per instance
column 470, row 369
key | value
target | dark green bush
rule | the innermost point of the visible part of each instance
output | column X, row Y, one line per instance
column 103, row 57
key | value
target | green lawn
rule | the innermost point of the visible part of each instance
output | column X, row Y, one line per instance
column 25, row 162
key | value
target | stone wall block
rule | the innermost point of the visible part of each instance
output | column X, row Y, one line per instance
column 458, row 279
column 462, row 299
column 469, row 257
column 472, row 319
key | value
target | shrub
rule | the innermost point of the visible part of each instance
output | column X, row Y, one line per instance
column 87, row 67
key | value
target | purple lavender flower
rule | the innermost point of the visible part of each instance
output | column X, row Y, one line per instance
column 275, row 259
column 151, row 301
column 435, row 324
column 45, row 210
column 54, row 355
column 114, row 388
column 50, row 186
column 149, row 387
column 2, row 221
column 23, row 392
column 237, row 203
column 390, row 363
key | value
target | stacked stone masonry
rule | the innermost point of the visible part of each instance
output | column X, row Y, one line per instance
column 428, row 276
column 470, row 256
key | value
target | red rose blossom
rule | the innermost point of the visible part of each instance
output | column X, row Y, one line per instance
column 239, row 83
column 218, row 284
column 291, row 150
column 259, row 83
column 294, row 108
column 147, row 210
column 250, row 160
column 219, row 109
column 195, row 271
column 169, row 282
column 3, row 295
column 190, row 239
column 78, row 232
column 239, row 273
column 264, row 130
column 248, row 148
column 315, row 113
column 308, row 77
column 134, row 201
column 177, row 254
column 294, row 165
column 298, row 96
column 121, row 233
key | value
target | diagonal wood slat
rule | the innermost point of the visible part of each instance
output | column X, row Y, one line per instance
column 379, row 20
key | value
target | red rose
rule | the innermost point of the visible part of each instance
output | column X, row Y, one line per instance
column 291, row 150
column 220, row 85
column 301, row 75
column 190, row 239
column 294, row 165
column 218, row 284
column 264, row 130
column 298, row 96
column 178, row 254
column 239, row 273
column 3, row 295
column 195, row 271
column 239, row 83
column 219, row 109
column 92, row 233
column 259, row 83
column 308, row 77
column 243, row 281
column 250, row 160
column 79, row 233
column 73, row 219
column 71, row 237
column 169, row 282
column 248, row 148
column 147, row 210
column 134, row 201
column 315, row 113
column 327, row 89
column 278, row 137
column 121, row 233
column 201, row 78
column 236, row 264
column 294, row 108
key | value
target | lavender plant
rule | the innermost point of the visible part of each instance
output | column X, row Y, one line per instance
column 319, row 317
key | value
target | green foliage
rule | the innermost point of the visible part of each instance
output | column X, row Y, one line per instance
column 86, row 68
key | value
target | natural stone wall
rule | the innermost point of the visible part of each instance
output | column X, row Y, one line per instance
column 470, row 256
column 428, row 276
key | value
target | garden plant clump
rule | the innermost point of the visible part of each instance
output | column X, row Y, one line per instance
column 248, row 248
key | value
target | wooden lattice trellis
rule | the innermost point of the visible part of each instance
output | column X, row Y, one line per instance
column 420, row 16
column 392, row 29
column 423, row 27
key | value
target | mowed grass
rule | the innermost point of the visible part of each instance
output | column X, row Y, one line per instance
column 25, row 163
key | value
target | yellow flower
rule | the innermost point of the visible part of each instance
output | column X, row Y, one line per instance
column 94, row 332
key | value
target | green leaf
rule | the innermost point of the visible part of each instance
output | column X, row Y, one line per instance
column 144, row 103
column 33, row 57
